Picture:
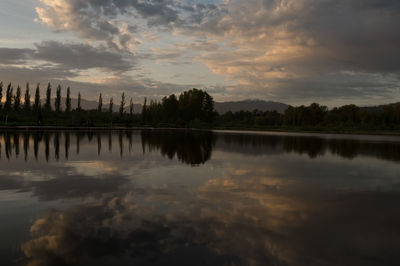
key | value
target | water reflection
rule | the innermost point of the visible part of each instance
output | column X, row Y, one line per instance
column 189, row 147
column 256, row 226
column 196, row 147
column 311, row 146
column 250, row 200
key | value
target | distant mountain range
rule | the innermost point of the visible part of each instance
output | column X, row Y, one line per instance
column 378, row 108
column 220, row 107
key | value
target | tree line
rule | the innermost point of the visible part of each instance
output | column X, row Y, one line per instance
column 192, row 108
column 318, row 116
column 14, row 102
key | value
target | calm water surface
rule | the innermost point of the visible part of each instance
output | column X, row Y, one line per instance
column 198, row 198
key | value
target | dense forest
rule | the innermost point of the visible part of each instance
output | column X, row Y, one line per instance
column 192, row 108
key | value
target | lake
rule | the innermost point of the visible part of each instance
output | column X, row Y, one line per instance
column 178, row 197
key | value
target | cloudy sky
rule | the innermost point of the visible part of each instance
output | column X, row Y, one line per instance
column 295, row 51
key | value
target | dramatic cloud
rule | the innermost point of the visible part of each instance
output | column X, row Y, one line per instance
column 284, row 49
column 296, row 51
column 293, row 49
column 101, row 20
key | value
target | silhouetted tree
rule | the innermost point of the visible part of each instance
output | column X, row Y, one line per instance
column 36, row 105
column 47, row 105
column 110, row 107
column 122, row 105
column 1, row 93
column 100, row 106
column 170, row 105
column 9, row 97
column 79, row 102
column 144, row 110
column 68, row 101
column 17, row 99
column 27, row 99
column 131, row 107
column 196, row 104
column 57, row 101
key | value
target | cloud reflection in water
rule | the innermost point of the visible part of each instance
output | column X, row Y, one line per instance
column 252, row 200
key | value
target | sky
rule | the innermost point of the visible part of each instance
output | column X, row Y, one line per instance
column 333, row 52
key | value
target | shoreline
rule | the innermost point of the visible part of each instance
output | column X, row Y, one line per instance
column 229, row 130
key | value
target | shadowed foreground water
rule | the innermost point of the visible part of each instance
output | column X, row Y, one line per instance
column 198, row 198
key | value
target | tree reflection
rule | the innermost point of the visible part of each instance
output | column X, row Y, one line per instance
column 78, row 140
column 16, row 144
column 47, row 145
column 66, row 144
column 98, row 144
column 191, row 147
column 195, row 147
column 109, row 142
column 7, row 146
column 313, row 147
column 37, row 137
column 57, row 145
column 129, row 137
column 26, row 145
column 121, row 144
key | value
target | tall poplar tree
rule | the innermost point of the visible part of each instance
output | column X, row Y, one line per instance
column 131, row 107
column 122, row 106
column 27, row 99
column 9, row 97
column 57, row 101
column 68, row 101
column 79, row 102
column 100, row 103
column 111, row 105
column 144, row 109
column 36, row 105
column 17, row 99
column 47, row 105
column 1, row 93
